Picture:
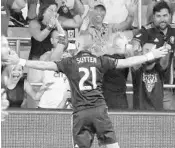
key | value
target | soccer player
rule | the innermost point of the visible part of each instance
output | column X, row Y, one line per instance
column 85, row 72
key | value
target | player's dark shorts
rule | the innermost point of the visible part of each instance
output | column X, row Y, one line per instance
column 87, row 123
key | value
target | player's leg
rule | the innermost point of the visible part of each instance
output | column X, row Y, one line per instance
column 104, row 129
column 83, row 134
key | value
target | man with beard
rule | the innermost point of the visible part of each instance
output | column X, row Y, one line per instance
column 152, row 3
column 159, row 33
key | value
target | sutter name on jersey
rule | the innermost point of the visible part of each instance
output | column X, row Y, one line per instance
column 86, row 59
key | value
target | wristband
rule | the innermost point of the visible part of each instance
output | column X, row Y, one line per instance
column 50, row 27
column 150, row 56
column 22, row 62
column 62, row 35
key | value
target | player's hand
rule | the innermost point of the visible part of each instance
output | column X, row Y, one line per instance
column 168, row 47
column 131, row 6
column 159, row 52
column 12, row 59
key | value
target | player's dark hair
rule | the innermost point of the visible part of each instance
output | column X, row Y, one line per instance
column 161, row 5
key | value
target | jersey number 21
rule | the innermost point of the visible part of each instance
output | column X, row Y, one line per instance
column 85, row 77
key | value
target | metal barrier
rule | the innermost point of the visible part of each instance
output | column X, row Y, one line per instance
column 165, row 86
column 18, row 42
column 52, row 129
column 128, row 86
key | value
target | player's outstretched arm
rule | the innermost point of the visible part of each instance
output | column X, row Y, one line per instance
column 40, row 65
column 132, row 61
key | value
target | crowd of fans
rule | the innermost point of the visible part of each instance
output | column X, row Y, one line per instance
column 49, row 42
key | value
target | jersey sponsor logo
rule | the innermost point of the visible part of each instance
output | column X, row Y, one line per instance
column 149, row 80
column 138, row 35
column 60, row 75
column 156, row 40
column 172, row 39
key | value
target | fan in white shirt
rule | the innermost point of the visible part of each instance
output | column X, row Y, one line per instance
column 56, row 94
